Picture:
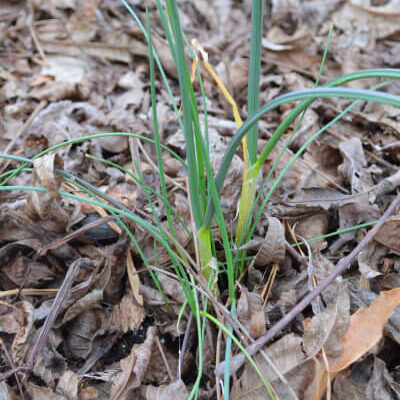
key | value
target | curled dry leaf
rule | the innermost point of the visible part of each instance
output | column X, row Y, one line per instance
column 389, row 234
column 370, row 258
column 273, row 248
column 46, row 207
column 250, row 313
column 369, row 379
column 133, row 368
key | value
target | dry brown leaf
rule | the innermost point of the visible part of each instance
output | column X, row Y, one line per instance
column 174, row 391
column 20, row 345
column 286, row 354
column 68, row 385
column 365, row 329
column 389, row 234
column 131, row 376
column 46, row 207
column 43, row 393
column 83, row 304
column 250, row 313
column 273, row 247
column 128, row 315
column 83, row 24
column 101, row 50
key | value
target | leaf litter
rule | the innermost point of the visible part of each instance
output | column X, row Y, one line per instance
column 80, row 316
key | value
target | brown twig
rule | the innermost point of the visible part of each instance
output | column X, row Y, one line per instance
column 239, row 359
column 161, row 350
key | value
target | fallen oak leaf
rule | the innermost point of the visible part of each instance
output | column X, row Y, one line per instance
column 365, row 329
column 364, row 332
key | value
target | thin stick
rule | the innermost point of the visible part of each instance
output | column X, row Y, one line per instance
column 239, row 359
column 161, row 350
column 37, row 44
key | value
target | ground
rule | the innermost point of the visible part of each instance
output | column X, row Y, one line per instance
column 80, row 313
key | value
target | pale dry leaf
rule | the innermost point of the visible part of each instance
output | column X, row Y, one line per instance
column 354, row 165
column 46, row 207
column 250, row 313
column 82, row 24
column 128, row 314
column 65, row 69
column 134, row 280
column 42, row 393
column 20, row 345
column 365, row 330
column 369, row 259
column 68, row 385
column 172, row 288
column 174, row 391
column 322, row 326
column 120, row 53
column 286, row 354
column 85, row 303
column 363, row 25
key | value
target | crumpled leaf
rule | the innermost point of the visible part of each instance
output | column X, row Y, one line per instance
column 273, row 248
column 46, row 207
column 82, row 24
column 128, row 315
column 389, row 234
column 369, row 259
column 174, row 391
column 68, row 385
column 285, row 354
column 83, row 304
column 43, row 393
column 325, row 328
column 132, row 375
column 374, row 384
column 250, row 313
column 354, row 165
column 85, row 329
